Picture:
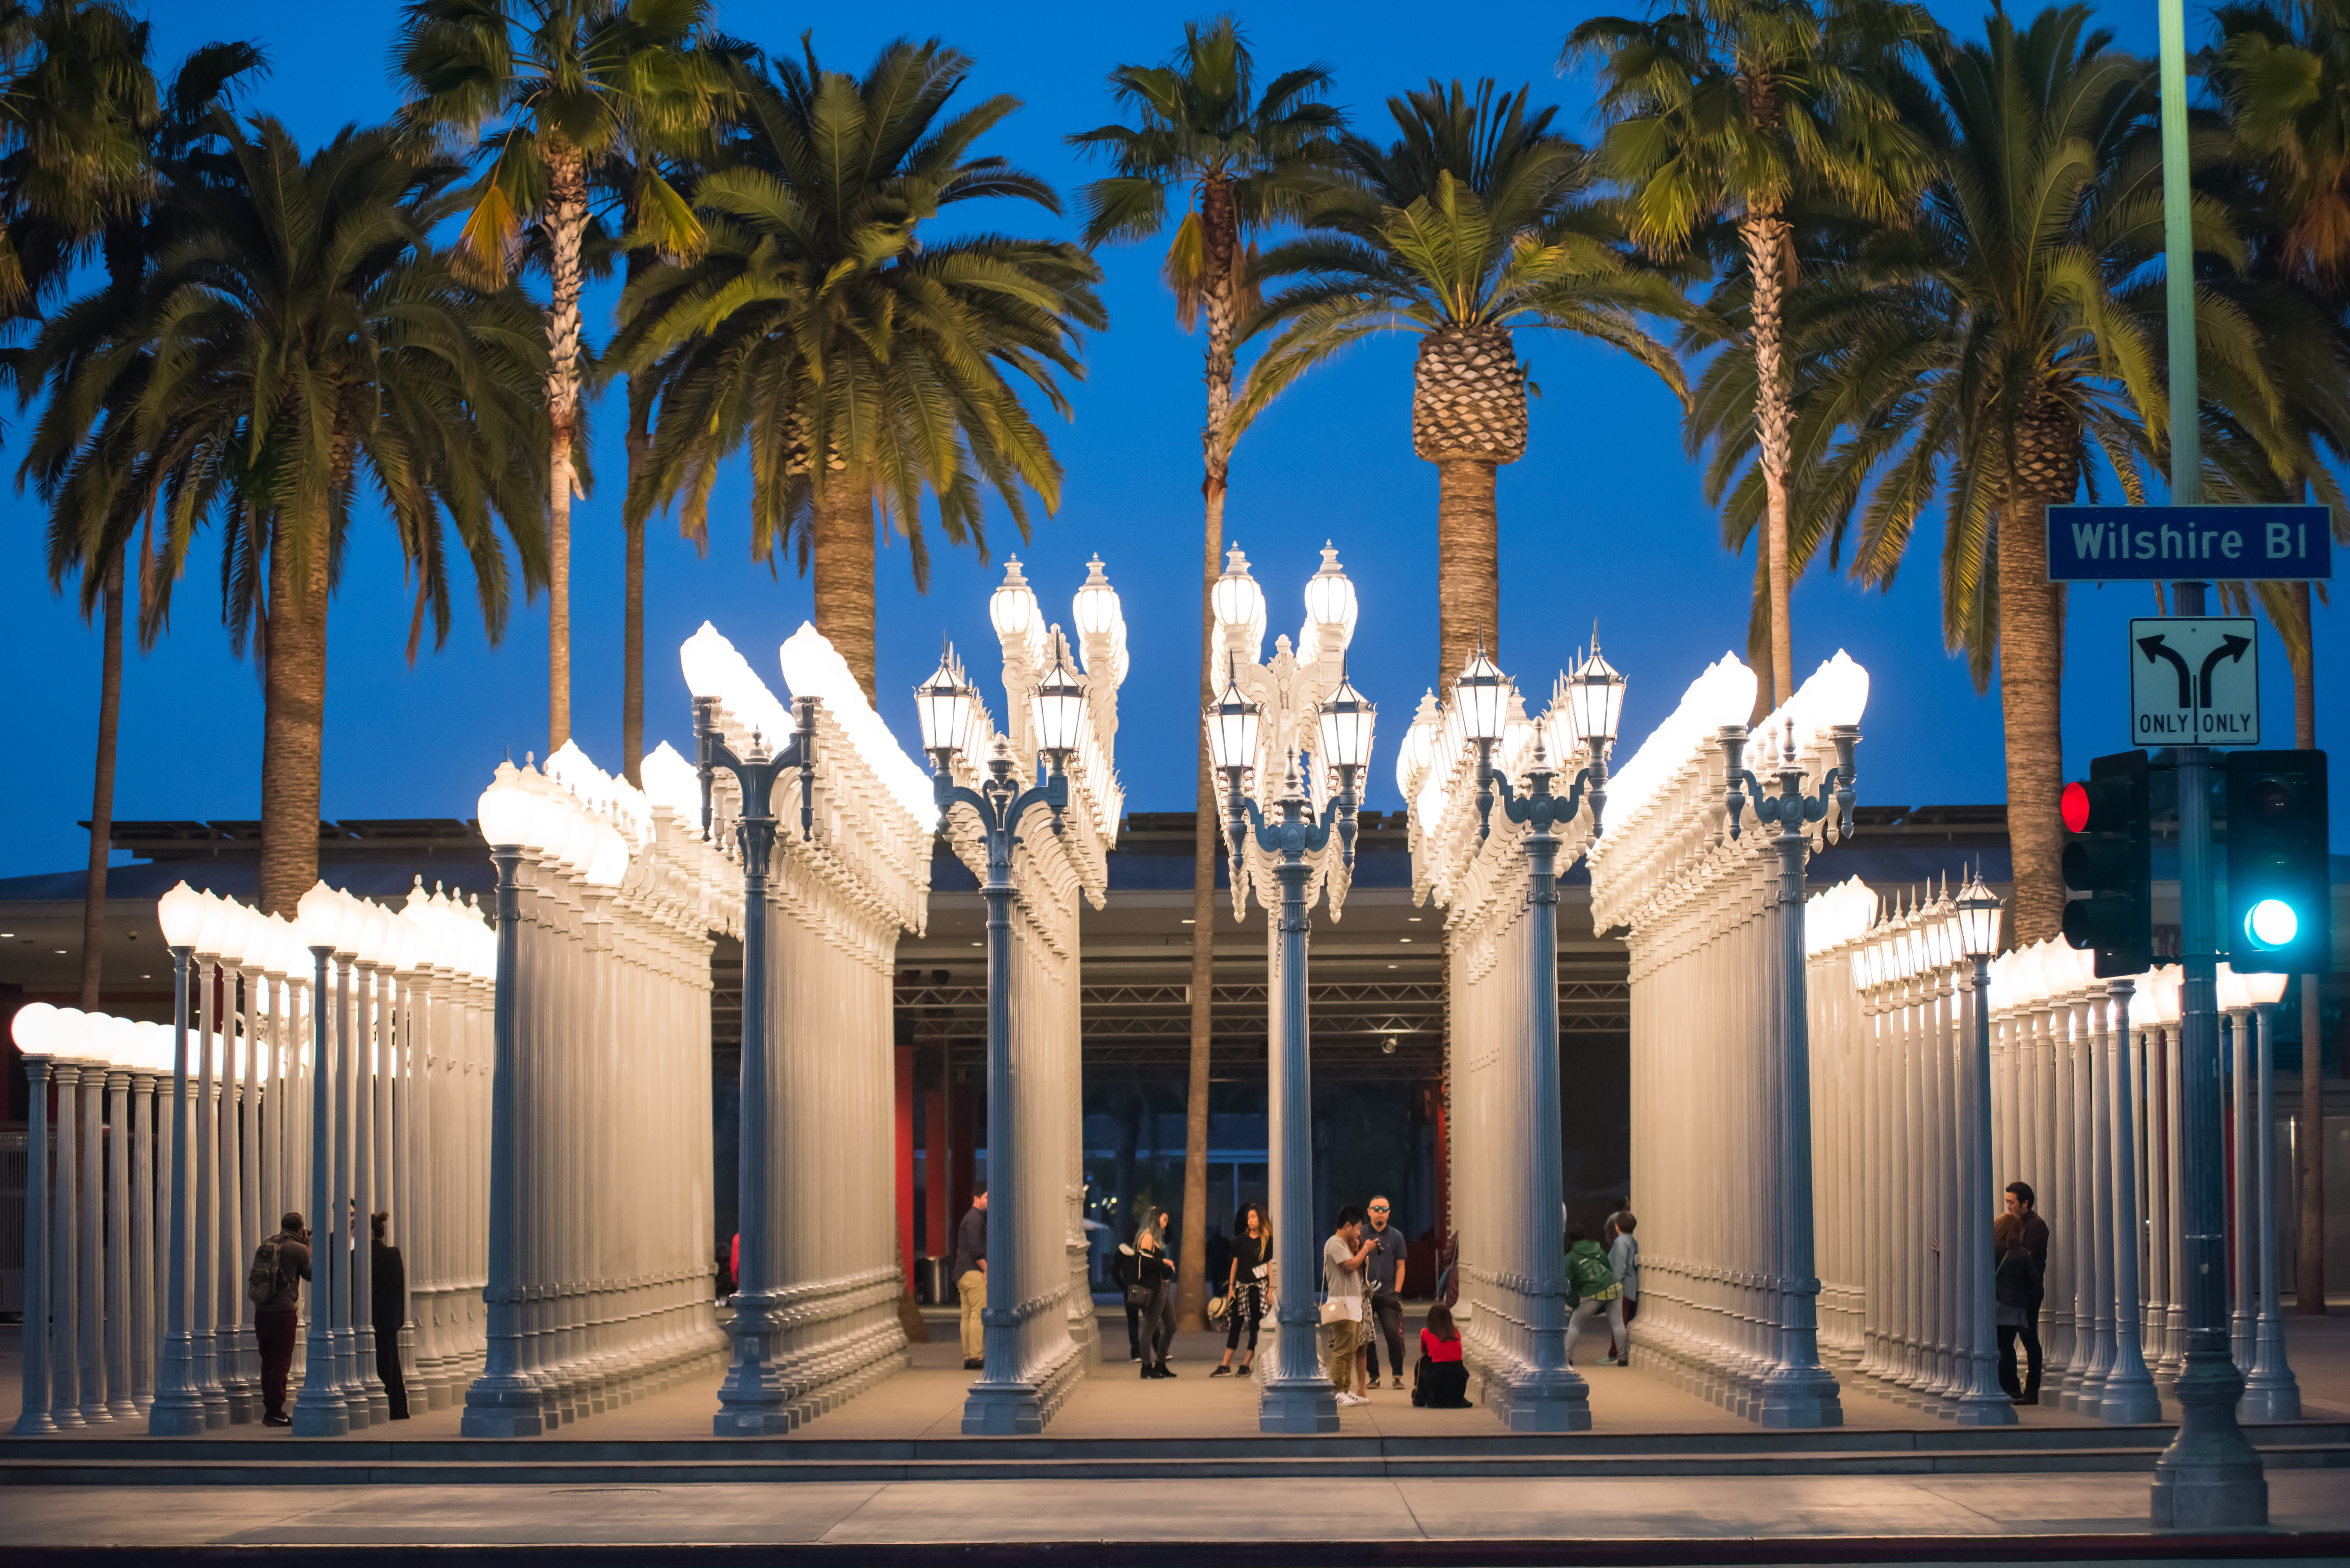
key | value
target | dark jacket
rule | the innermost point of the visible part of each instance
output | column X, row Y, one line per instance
column 2017, row 1282
column 971, row 1241
column 1153, row 1271
column 2035, row 1239
column 390, row 1307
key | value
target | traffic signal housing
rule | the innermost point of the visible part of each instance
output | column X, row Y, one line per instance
column 2280, row 901
column 2109, row 841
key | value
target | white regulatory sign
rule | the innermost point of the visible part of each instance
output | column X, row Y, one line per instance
column 2195, row 681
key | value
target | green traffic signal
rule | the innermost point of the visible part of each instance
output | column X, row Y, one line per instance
column 2280, row 905
column 2110, row 839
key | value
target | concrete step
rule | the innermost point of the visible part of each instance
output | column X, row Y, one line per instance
column 237, row 1462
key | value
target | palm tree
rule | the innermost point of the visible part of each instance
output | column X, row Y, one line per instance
column 2000, row 349
column 1241, row 159
column 1726, row 113
column 862, row 365
column 547, row 87
column 88, row 131
column 1476, row 221
column 300, row 339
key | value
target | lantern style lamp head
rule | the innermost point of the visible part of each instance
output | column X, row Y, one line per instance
column 504, row 809
column 1232, row 724
column 1060, row 711
column 1096, row 608
column 2263, row 989
column 943, row 705
column 1482, row 698
column 181, row 913
column 1012, row 610
column 1238, row 603
column 320, row 916
column 1595, row 703
column 1345, row 731
column 1977, row 920
column 1330, row 598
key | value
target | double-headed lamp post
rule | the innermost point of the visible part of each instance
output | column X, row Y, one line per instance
column 1797, row 1390
column 1003, row 1402
column 751, row 1398
column 1552, row 1397
column 1296, row 1397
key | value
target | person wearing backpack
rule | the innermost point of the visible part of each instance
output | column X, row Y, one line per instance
column 274, row 1286
column 1592, row 1288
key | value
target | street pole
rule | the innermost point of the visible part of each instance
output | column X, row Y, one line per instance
column 752, row 1396
column 2211, row 1477
column 504, row 1401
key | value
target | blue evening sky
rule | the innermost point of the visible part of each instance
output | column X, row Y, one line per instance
column 1602, row 519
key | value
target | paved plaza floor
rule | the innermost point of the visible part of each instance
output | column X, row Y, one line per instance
column 1170, row 1512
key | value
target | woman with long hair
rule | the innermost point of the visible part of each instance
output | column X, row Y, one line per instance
column 1154, row 1271
column 1440, row 1382
column 1245, row 1285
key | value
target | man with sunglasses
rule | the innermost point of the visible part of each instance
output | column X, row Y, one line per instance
column 1383, row 1271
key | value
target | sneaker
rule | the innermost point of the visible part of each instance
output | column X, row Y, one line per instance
column 1242, row 1371
column 1222, row 1371
column 1396, row 1382
column 277, row 1420
column 970, row 1365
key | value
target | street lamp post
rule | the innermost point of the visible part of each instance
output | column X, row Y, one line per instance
column 1003, row 1402
column 751, row 1398
column 1978, row 1401
column 1552, row 1397
column 179, row 1407
column 2270, row 1391
column 318, row 1410
column 1797, row 1390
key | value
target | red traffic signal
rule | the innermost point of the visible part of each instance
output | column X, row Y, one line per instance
column 2076, row 807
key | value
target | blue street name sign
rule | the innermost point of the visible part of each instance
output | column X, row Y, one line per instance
column 2155, row 543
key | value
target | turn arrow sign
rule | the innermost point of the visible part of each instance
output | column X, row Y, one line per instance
column 2155, row 648
column 2230, row 647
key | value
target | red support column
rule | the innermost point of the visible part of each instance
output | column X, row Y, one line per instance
column 934, row 1169
column 962, row 1157
column 905, row 1123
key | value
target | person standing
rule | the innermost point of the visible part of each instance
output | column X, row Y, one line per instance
column 970, row 1279
column 1623, row 1262
column 1612, row 1227
column 387, row 1310
column 274, row 1314
column 1342, row 1274
column 1156, row 1270
column 2015, row 1283
column 2023, row 1203
column 1244, row 1280
column 1126, row 1272
column 1591, row 1288
column 1383, row 1276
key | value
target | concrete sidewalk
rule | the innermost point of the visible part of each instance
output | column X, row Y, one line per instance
column 1230, row 1520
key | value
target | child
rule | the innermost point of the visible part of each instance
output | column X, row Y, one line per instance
column 1623, row 1262
column 1440, row 1382
column 1591, row 1288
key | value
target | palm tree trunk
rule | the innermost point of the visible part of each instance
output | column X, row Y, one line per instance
column 1766, row 236
column 566, row 226
column 102, row 803
column 1468, row 579
column 293, row 722
column 2309, row 1287
column 2031, row 670
column 633, row 594
column 1220, row 235
column 842, row 566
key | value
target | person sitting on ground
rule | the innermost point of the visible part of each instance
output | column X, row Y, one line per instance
column 1592, row 1288
column 1440, row 1381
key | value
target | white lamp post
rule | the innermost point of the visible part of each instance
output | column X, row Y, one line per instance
column 319, row 1409
column 179, row 1408
column 1973, row 934
column 30, row 1030
column 2270, row 1391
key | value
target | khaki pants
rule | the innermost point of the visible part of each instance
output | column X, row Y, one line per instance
column 972, row 1288
column 1342, row 1354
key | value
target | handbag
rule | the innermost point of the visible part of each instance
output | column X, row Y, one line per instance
column 1139, row 1296
column 1335, row 1312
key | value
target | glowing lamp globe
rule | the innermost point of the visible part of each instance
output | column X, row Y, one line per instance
column 1060, row 710
column 504, row 809
column 1595, row 701
column 1231, row 722
column 1481, row 697
column 942, row 704
column 1346, row 728
column 181, row 913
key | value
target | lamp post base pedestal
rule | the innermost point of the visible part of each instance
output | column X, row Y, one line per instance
column 1301, row 1408
column 2130, row 1401
column 1540, row 1401
column 178, row 1415
column 1001, row 1410
column 2211, row 1477
column 753, row 1399
column 506, row 1407
column 1982, row 1410
column 1798, row 1400
column 2270, row 1395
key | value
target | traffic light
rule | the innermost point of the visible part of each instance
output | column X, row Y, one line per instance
column 2106, row 865
column 2280, row 905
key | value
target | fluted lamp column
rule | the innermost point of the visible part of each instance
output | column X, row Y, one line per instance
column 2270, row 1391
column 179, row 1407
column 1980, row 1401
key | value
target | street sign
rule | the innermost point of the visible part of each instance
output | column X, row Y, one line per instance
column 2195, row 681
column 2158, row 544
